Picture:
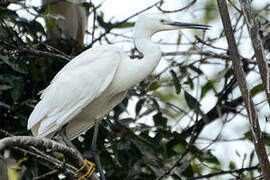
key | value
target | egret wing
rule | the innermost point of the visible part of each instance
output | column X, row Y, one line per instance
column 73, row 88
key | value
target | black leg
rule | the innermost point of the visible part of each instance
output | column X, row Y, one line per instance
column 95, row 153
column 91, row 169
column 63, row 135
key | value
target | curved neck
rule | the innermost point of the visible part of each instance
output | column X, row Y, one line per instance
column 133, row 71
column 143, row 43
column 151, row 57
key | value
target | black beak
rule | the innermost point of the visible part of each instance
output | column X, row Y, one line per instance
column 190, row 26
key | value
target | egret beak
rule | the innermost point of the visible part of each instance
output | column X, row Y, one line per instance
column 190, row 26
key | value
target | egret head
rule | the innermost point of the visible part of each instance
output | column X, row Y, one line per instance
column 150, row 23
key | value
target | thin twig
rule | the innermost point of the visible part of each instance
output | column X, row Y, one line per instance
column 43, row 53
column 226, row 172
column 46, row 175
column 176, row 10
column 208, row 54
column 120, row 23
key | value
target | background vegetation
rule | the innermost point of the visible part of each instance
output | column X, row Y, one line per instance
column 170, row 125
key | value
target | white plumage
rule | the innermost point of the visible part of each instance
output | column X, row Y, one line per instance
column 82, row 83
column 95, row 81
column 70, row 19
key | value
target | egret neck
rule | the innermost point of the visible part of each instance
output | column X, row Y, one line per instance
column 151, row 55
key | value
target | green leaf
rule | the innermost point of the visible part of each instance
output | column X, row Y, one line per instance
column 126, row 121
column 180, row 139
column 207, row 87
column 195, row 69
column 50, row 22
column 176, row 82
column 190, row 82
column 191, row 101
column 139, row 106
column 36, row 27
column 16, row 83
column 15, row 64
column 210, row 12
column 251, row 158
column 7, row 13
column 232, row 165
column 188, row 172
column 160, row 120
column 154, row 85
column 195, row 105
column 31, row 27
column 17, row 89
column 210, row 159
column 196, row 167
column 106, row 25
column 4, row 35
column 87, row 6
column 33, row 70
column 179, row 148
column 248, row 135
column 125, row 25
column 256, row 89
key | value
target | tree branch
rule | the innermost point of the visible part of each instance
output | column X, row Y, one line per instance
column 257, row 46
column 249, row 104
column 44, row 53
column 208, row 54
column 226, row 172
column 26, row 141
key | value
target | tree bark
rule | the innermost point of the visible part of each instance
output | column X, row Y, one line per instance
column 249, row 104
column 44, row 143
column 252, row 27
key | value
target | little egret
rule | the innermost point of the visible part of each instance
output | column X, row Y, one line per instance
column 95, row 81
column 70, row 20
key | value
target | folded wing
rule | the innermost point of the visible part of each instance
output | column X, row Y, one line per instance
column 83, row 79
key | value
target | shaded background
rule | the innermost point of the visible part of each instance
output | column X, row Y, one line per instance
column 188, row 114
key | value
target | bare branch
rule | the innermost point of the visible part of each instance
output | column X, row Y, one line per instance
column 209, row 54
column 44, row 53
column 177, row 10
column 249, row 104
column 50, row 162
column 257, row 46
column 45, row 176
column 41, row 143
column 122, row 22
column 226, row 172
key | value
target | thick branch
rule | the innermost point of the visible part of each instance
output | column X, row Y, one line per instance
column 249, row 104
column 41, row 143
column 257, row 45
column 50, row 162
column 44, row 143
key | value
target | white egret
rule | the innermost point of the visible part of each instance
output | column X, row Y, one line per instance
column 95, row 81
column 70, row 19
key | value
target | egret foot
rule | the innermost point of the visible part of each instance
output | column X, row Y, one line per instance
column 89, row 172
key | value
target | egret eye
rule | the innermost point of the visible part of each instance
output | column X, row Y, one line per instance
column 162, row 20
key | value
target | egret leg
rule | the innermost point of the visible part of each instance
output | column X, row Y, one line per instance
column 94, row 151
column 91, row 168
column 63, row 135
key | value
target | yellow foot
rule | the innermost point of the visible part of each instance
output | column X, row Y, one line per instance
column 89, row 172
